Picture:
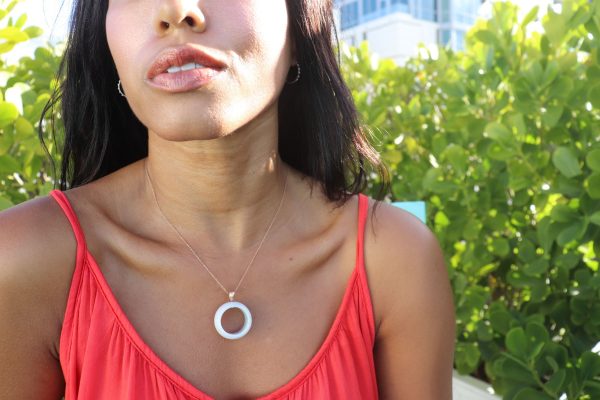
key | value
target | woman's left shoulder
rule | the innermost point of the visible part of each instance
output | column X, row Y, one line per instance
column 413, row 303
column 404, row 261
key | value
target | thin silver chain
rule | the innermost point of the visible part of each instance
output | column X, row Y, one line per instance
column 230, row 294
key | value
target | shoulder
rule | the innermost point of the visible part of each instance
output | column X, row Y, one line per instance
column 37, row 249
column 405, row 260
column 37, row 253
column 412, row 294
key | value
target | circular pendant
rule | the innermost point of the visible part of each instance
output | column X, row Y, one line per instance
column 247, row 320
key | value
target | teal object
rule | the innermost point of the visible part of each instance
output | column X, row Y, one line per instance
column 417, row 208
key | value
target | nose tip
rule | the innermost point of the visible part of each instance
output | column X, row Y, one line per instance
column 171, row 19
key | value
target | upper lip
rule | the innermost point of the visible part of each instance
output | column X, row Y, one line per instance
column 178, row 56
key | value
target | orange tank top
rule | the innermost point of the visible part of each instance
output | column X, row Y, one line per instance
column 103, row 357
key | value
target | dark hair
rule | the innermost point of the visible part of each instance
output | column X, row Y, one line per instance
column 319, row 129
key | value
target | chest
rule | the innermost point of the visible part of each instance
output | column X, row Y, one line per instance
column 293, row 311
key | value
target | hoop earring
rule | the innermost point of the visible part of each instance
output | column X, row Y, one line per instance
column 297, row 76
column 119, row 88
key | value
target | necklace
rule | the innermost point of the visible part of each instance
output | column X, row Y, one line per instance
column 231, row 303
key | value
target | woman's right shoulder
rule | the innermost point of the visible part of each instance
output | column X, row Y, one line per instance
column 34, row 236
column 37, row 251
column 37, row 259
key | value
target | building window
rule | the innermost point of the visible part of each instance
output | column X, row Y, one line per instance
column 425, row 10
column 445, row 14
column 349, row 15
column 445, row 37
column 460, row 40
column 399, row 5
column 369, row 6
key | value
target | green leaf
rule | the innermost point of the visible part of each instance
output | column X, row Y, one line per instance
column 544, row 234
column 563, row 213
column 485, row 332
column 457, row 157
column 33, row 31
column 500, row 247
column 537, row 336
column 552, row 115
column 565, row 160
column 593, row 185
column 552, row 363
column 561, row 88
column 510, row 369
column 572, row 232
column 567, row 261
column 531, row 394
column 498, row 152
column 554, row 26
column 487, row 37
column 467, row 356
column 590, row 364
column 595, row 218
column 500, row 321
column 531, row 15
column 5, row 203
column 23, row 128
column 13, row 34
column 21, row 21
column 500, row 134
column 592, row 159
column 8, row 113
column 536, row 267
column 526, row 251
column 555, row 383
column 516, row 341
column 8, row 165
column 594, row 96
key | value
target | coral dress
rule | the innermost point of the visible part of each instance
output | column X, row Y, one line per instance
column 103, row 357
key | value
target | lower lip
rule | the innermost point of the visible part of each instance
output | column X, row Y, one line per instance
column 184, row 81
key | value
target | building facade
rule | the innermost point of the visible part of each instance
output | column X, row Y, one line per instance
column 394, row 28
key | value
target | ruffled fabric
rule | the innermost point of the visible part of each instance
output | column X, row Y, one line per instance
column 104, row 358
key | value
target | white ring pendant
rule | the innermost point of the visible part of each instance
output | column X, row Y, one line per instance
column 219, row 319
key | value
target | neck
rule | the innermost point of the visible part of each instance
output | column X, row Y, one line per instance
column 220, row 194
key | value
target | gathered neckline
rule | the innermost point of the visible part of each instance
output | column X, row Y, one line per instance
column 153, row 358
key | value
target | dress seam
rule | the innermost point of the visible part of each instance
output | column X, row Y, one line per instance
column 319, row 361
column 135, row 345
column 71, row 310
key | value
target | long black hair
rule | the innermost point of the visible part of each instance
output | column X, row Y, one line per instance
column 320, row 133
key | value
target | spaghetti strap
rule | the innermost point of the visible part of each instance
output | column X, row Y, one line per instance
column 65, row 341
column 64, row 203
column 363, row 208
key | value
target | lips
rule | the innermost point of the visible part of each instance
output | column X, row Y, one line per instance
column 179, row 56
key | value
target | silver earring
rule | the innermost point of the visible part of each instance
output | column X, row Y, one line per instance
column 297, row 76
column 119, row 88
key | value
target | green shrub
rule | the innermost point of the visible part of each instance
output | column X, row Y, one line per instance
column 23, row 161
column 502, row 141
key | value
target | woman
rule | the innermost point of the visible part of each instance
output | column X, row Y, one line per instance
column 209, row 239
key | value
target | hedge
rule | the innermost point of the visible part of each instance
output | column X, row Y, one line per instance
column 502, row 142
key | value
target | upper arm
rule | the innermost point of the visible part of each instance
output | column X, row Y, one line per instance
column 30, row 299
column 414, row 349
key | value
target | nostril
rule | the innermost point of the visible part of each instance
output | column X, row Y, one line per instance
column 164, row 24
column 189, row 20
